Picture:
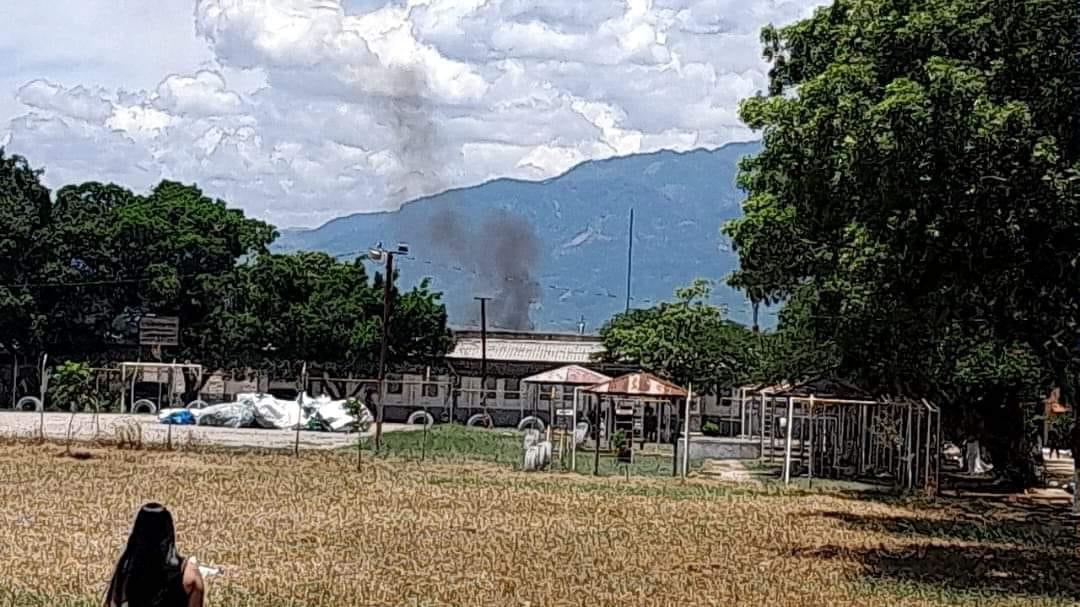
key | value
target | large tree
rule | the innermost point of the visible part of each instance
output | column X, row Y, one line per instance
column 282, row 310
column 685, row 341
column 79, row 269
column 921, row 174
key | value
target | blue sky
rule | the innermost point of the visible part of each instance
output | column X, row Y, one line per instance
column 301, row 110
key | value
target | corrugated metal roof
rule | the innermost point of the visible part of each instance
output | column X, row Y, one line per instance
column 639, row 384
column 528, row 350
column 570, row 374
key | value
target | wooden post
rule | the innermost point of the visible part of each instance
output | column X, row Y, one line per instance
column 300, row 402
column 596, row 446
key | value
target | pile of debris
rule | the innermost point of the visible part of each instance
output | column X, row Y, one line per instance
column 264, row 411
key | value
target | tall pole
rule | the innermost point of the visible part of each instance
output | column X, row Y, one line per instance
column 787, row 439
column 573, row 431
column 387, row 280
column 629, row 258
column 300, row 408
column 686, row 432
column 14, row 378
column 596, row 445
column 44, row 389
column 483, row 352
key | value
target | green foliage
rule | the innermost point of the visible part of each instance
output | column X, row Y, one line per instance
column 618, row 440
column 684, row 341
column 919, row 188
column 77, row 272
column 309, row 306
column 70, row 389
column 1060, row 427
column 710, row 429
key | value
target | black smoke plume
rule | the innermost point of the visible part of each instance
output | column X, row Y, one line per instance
column 500, row 252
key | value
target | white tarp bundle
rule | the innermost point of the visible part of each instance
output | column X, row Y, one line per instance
column 229, row 415
column 273, row 413
column 262, row 410
column 333, row 415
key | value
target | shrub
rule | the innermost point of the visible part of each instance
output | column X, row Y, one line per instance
column 618, row 440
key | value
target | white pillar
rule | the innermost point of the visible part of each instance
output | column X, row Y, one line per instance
column 686, row 432
column 787, row 439
column 573, row 431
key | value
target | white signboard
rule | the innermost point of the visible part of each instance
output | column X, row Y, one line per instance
column 214, row 385
column 159, row 331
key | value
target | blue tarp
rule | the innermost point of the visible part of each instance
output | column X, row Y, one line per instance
column 182, row 417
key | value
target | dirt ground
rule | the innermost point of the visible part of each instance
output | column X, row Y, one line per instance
column 317, row 532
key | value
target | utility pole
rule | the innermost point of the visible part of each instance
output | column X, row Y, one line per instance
column 379, row 253
column 483, row 351
column 382, row 348
column 629, row 258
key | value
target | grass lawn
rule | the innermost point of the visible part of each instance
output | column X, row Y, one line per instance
column 457, row 443
column 316, row 532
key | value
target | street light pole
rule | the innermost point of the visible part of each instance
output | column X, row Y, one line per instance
column 388, row 280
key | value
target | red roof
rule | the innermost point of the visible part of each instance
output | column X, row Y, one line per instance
column 570, row 374
column 639, row 384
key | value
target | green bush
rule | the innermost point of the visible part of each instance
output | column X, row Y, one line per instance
column 70, row 388
column 618, row 440
column 710, row 429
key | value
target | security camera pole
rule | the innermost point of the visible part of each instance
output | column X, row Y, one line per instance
column 378, row 253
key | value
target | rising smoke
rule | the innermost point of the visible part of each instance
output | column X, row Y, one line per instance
column 500, row 251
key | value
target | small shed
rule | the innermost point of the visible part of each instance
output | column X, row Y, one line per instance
column 569, row 377
column 631, row 396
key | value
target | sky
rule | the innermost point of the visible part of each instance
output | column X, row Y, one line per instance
column 299, row 111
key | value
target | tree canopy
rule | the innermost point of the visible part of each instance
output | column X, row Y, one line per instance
column 78, row 269
column 685, row 341
column 919, row 190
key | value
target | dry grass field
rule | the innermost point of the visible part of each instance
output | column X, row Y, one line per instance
column 401, row 532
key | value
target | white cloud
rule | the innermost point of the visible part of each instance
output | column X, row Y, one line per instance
column 78, row 103
column 203, row 94
column 300, row 110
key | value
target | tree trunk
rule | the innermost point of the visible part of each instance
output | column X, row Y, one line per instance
column 1010, row 448
column 190, row 379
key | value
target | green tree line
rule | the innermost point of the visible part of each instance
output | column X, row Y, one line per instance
column 80, row 266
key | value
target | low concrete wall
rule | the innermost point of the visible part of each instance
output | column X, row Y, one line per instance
column 709, row 447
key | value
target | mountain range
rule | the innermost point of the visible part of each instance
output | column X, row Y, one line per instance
column 552, row 254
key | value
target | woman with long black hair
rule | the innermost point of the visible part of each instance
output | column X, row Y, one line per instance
column 150, row 572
